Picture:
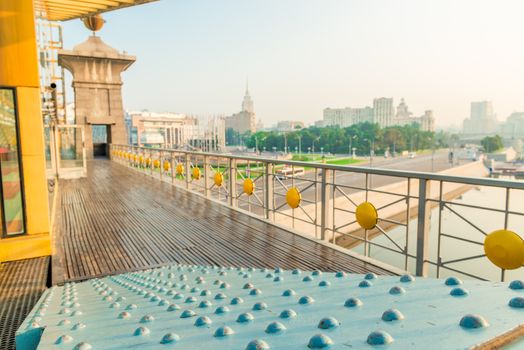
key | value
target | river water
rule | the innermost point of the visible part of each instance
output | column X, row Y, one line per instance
column 452, row 224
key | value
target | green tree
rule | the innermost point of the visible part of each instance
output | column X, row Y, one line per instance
column 492, row 143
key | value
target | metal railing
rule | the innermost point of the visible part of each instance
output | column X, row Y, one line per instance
column 430, row 224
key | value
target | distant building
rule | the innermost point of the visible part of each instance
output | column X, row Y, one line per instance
column 513, row 127
column 167, row 130
column 427, row 121
column 289, row 125
column 173, row 130
column 320, row 123
column 245, row 120
column 382, row 113
column 405, row 117
column 260, row 125
column 348, row 116
column 482, row 120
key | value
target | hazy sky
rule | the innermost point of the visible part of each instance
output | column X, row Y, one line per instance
column 193, row 56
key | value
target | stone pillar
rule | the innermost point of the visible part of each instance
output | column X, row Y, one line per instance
column 96, row 68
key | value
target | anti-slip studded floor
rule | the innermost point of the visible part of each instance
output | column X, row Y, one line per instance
column 199, row 307
column 21, row 284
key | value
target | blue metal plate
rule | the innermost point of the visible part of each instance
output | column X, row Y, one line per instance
column 210, row 308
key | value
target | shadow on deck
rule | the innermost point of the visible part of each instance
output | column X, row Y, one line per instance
column 117, row 220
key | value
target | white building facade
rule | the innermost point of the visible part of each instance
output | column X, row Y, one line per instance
column 382, row 113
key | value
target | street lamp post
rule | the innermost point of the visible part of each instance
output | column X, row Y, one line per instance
column 351, row 145
column 285, row 143
column 313, row 146
column 299, row 144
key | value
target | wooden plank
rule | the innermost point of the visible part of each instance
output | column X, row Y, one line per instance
column 118, row 220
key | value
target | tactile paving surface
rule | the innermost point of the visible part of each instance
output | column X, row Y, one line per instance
column 197, row 307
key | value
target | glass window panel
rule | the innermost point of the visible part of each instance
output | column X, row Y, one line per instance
column 13, row 215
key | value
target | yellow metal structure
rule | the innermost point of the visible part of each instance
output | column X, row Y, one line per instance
column 249, row 187
column 63, row 10
column 505, row 249
column 195, row 173
column 218, row 179
column 166, row 165
column 293, row 197
column 156, row 163
column 366, row 215
column 180, row 169
column 148, row 161
column 19, row 70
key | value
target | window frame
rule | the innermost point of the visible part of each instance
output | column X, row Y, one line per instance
column 4, row 234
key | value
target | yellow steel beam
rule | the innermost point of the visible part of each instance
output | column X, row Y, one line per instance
column 64, row 10
column 84, row 2
column 80, row 9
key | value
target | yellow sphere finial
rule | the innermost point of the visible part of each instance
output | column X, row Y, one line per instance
column 94, row 23
column 505, row 249
column 366, row 215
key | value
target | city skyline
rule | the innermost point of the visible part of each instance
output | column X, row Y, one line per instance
column 314, row 56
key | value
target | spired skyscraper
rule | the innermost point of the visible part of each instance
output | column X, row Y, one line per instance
column 245, row 120
column 247, row 102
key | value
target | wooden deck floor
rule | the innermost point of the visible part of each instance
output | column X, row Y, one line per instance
column 117, row 220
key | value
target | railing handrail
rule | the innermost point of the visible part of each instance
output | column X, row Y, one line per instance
column 500, row 183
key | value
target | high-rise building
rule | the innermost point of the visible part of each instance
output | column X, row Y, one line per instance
column 427, row 121
column 247, row 102
column 245, row 120
column 513, row 127
column 403, row 116
column 383, row 111
column 482, row 120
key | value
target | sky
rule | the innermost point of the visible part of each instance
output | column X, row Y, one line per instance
column 301, row 56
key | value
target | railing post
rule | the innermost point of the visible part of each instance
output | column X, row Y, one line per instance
column 161, row 162
column 172, row 167
column 206, row 176
column 188, row 171
column 423, row 227
column 269, row 194
column 325, row 199
column 232, row 200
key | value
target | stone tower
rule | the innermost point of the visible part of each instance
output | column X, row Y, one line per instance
column 96, row 68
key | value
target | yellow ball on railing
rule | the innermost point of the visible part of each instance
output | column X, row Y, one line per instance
column 141, row 159
column 195, row 173
column 293, row 197
column 180, row 169
column 249, row 187
column 167, row 165
column 505, row 249
column 366, row 215
column 156, row 163
column 148, row 161
column 218, row 178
